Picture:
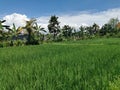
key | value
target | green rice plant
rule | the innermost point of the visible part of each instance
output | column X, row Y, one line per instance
column 61, row 66
column 115, row 84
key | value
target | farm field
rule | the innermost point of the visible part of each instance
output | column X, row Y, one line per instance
column 78, row 65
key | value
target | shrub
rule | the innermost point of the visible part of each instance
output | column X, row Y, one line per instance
column 6, row 43
column 18, row 43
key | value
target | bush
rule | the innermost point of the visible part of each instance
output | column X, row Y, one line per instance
column 1, row 44
column 6, row 43
column 117, row 35
column 18, row 43
column 33, row 42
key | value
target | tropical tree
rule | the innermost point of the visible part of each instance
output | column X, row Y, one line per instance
column 95, row 28
column 106, row 28
column 67, row 31
column 39, row 32
column 13, row 33
column 3, row 30
column 53, row 26
column 29, row 27
column 89, row 30
column 118, row 27
column 81, row 32
column 113, row 22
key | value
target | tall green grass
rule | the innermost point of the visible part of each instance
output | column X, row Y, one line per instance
column 95, row 41
column 59, row 67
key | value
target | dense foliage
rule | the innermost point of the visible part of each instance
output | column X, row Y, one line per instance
column 32, row 33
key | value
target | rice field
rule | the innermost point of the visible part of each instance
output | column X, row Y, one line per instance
column 80, row 65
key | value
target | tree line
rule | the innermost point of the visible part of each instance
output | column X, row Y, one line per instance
column 33, row 34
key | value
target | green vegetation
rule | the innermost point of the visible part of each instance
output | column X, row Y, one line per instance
column 86, row 59
column 81, row 65
column 34, row 34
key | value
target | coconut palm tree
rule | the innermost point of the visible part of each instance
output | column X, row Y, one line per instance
column 29, row 27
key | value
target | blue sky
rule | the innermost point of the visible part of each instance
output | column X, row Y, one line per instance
column 35, row 8
column 70, row 12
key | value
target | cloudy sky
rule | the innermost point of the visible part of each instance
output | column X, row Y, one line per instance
column 71, row 12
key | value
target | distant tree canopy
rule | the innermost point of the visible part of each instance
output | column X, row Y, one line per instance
column 113, row 22
column 53, row 26
column 67, row 31
column 32, row 33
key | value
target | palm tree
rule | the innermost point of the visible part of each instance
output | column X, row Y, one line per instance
column 29, row 27
column 13, row 32
column 53, row 26
column 39, row 31
column 3, row 30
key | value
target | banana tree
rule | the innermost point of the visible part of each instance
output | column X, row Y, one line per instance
column 4, row 29
column 39, row 32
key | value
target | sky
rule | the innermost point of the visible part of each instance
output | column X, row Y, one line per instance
column 72, row 12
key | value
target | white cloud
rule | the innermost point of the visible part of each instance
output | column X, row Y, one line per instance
column 84, row 18
column 76, row 20
column 17, row 19
column 43, row 21
column 90, row 18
